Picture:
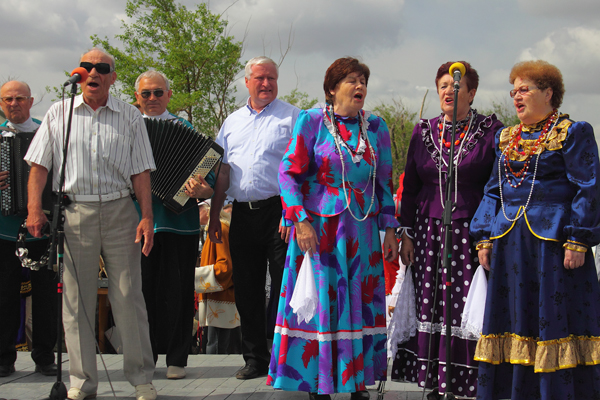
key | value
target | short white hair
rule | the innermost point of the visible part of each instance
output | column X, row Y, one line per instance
column 150, row 74
column 257, row 61
column 112, row 59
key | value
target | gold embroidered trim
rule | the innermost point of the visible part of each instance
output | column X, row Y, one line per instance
column 579, row 243
column 552, row 142
column 575, row 247
column 513, row 224
column 535, row 234
column 544, row 356
column 484, row 244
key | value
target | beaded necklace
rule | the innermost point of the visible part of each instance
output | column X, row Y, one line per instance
column 333, row 129
column 442, row 128
column 514, row 144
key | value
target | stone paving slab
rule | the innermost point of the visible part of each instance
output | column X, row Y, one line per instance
column 209, row 377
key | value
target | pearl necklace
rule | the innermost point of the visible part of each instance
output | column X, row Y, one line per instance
column 554, row 116
column 373, row 171
column 455, row 161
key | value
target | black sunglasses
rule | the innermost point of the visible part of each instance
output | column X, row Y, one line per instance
column 101, row 68
column 146, row 93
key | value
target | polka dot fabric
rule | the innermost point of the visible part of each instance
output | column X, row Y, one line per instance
column 412, row 359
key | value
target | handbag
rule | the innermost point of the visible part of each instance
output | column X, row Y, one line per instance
column 305, row 298
column 205, row 280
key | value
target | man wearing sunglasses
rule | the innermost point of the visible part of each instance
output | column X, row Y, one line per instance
column 109, row 155
column 168, row 272
column 16, row 101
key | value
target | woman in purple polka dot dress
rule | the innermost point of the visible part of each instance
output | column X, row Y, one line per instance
column 423, row 358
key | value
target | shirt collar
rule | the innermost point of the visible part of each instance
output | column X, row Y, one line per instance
column 166, row 115
column 28, row 126
column 111, row 103
column 253, row 111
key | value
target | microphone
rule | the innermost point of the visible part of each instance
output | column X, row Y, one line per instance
column 78, row 75
column 457, row 70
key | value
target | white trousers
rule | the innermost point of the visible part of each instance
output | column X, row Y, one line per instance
column 107, row 229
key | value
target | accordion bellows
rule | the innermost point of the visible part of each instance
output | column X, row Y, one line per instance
column 13, row 200
column 180, row 153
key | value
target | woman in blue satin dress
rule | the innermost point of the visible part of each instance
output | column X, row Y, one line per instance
column 535, row 227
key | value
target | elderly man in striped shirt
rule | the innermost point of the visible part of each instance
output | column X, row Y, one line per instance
column 109, row 156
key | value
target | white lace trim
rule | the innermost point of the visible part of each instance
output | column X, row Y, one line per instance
column 403, row 324
column 328, row 337
column 457, row 331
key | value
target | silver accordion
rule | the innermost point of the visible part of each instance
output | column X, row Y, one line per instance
column 180, row 153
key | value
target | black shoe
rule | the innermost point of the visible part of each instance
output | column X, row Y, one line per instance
column 314, row 396
column 249, row 371
column 6, row 370
column 47, row 370
column 434, row 395
column 360, row 395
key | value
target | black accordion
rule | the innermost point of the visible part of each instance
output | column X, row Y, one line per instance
column 180, row 153
column 13, row 147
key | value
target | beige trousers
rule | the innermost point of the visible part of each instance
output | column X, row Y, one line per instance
column 107, row 229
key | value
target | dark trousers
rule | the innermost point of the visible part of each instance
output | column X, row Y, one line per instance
column 168, row 288
column 253, row 239
column 44, row 304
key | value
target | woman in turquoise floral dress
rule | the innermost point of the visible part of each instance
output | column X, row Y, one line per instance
column 336, row 188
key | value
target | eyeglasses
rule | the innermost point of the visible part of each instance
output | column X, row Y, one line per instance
column 101, row 68
column 523, row 90
column 19, row 99
column 147, row 93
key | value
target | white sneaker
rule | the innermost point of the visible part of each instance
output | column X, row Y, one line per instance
column 145, row 392
column 78, row 394
column 174, row 372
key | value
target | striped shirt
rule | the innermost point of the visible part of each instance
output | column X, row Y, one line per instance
column 106, row 146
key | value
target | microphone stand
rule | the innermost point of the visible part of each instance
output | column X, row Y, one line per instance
column 447, row 255
column 57, row 241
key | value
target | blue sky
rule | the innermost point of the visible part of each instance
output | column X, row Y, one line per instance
column 402, row 41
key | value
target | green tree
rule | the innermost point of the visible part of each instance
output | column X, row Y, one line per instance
column 400, row 122
column 504, row 111
column 194, row 50
column 299, row 99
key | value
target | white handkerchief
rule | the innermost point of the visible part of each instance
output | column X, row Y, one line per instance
column 304, row 299
column 403, row 324
column 472, row 319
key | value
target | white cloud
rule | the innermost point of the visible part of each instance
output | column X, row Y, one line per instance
column 576, row 52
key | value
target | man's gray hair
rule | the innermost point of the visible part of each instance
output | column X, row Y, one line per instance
column 151, row 74
column 257, row 61
column 112, row 59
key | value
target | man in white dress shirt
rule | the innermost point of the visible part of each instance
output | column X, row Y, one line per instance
column 109, row 155
column 254, row 139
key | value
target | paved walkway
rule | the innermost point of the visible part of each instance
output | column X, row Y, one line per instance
column 209, row 377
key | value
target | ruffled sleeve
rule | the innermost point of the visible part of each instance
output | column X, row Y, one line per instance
column 294, row 166
column 580, row 153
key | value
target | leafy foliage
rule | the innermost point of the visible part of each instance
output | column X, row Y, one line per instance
column 299, row 99
column 191, row 47
column 400, row 122
column 504, row 111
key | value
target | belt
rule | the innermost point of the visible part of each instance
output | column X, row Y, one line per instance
column 90, row 198
column 255, row 205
